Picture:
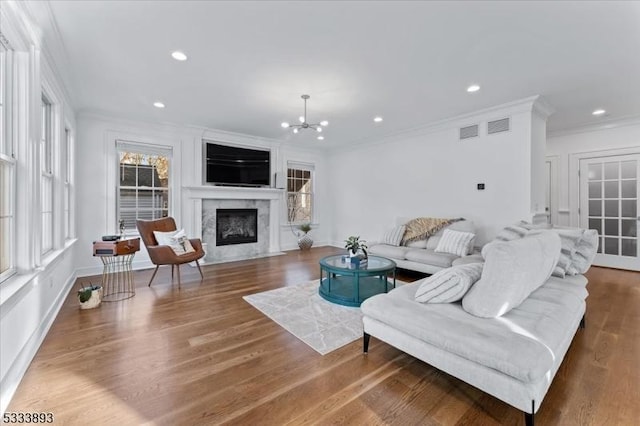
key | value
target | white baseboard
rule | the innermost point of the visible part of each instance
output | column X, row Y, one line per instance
column 19, row 367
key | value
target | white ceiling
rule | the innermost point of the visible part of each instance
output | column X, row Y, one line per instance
column 410, row 62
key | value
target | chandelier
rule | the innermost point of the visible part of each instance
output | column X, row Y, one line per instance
column 303, row 121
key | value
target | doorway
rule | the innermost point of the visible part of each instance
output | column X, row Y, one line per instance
column 609, row 194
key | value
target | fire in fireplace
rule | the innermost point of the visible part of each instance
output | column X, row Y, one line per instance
column 236, row 226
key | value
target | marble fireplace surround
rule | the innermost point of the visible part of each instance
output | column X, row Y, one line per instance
column 202, row 202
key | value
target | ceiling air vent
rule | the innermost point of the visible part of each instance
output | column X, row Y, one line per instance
column 498, row 126
column 469, row 132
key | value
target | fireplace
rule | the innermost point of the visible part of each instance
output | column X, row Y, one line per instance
column 236, row 226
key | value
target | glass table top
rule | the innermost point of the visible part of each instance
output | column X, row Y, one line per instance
column 343, row 262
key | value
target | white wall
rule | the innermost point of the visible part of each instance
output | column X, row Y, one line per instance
column 97, row 168
column 620, row 136
column 432, row 173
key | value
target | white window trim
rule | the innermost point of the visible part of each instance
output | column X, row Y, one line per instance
column 148, row 146
column 299, row 165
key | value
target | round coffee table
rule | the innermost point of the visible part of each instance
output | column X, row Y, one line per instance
column 348, row 285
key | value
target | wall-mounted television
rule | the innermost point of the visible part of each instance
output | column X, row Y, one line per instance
column 236, row 166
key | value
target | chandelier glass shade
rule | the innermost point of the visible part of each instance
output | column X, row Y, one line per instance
column 303, row 121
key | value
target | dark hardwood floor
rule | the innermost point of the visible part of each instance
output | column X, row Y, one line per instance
column 202, row 355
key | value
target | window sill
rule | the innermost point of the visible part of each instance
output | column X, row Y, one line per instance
column 19, row 282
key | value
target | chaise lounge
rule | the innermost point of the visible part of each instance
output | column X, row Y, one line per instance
column 512, row 356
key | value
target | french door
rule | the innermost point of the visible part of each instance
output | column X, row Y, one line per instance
column 609, row 196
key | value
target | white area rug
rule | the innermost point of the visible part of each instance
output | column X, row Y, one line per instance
column 323, row 325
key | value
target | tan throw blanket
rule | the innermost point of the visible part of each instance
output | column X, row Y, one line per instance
column 422, row 228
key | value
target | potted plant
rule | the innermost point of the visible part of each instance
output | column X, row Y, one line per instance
column 354, row 244
column 90, row 296
column 305, row 241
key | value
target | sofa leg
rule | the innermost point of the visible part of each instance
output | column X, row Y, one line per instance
column 582, row 322
column 528, row 417
column 365, row 343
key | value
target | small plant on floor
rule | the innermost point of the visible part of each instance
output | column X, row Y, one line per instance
column 354, row 243
column 84, row 293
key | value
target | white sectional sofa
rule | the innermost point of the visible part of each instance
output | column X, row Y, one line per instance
column 512, row 356
column 421, row 256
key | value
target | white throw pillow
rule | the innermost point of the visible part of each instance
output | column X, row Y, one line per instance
column 177, row 240
column 393, row 237
column 455, row 242
column 512, row 271
column 164, row 238
column 449, row 285
column 585, row 252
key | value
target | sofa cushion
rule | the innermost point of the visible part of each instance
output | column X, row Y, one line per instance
column 421, row 244
column 448, row 285
column 386, row 250
column 430, row 257
column 472, row 258
column 512, row 270
column 456, row 242
column 393, row 237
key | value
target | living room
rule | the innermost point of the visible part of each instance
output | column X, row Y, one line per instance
column 100, row 67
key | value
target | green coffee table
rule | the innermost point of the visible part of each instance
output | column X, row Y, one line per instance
column 344, row 284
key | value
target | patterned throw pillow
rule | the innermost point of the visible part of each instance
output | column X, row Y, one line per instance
column 456, row 242
column 449, row 285
column 393, row 237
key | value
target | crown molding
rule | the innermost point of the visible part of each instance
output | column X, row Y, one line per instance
column 517, row 106
column 630, row 120
column 192, row 130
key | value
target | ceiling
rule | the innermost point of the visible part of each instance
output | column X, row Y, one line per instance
column 409, row 62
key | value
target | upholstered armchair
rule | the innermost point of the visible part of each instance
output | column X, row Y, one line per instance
column 162, row 254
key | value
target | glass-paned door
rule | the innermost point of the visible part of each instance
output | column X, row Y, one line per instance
column 609, row 195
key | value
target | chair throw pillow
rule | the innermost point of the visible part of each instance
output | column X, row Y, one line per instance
column 177, row 240
column 393, row 237
column 512, row 271
column 449, row 285
column 456, row 242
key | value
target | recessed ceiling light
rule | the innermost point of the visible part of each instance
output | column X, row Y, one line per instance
column 598, row 112
column 179, row 56
column 158, row 104
column 473, row 88
column 320, row 138
column 377, row 119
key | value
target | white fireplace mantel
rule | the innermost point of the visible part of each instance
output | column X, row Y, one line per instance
column 192, row 202
column 232, row 192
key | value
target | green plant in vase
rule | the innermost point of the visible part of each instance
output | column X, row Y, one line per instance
column 304, row 227
column 354, row 244
column 304, row 241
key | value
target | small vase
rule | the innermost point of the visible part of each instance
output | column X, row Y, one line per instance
column 305, row 242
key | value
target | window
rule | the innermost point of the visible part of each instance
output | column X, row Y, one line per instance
column 300, row 192
column 143, row 184
column 67, row 184
column 46, row 179
column 7, row 167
